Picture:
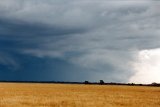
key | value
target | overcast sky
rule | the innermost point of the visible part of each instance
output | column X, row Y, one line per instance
column 78, row 40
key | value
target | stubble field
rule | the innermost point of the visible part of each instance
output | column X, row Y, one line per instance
column 61, row 95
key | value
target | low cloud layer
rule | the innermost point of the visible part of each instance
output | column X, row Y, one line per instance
column 98, row 39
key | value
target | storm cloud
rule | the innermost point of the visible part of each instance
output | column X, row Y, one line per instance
column 72, row 40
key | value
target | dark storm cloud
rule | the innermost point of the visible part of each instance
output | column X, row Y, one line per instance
column 91, row 36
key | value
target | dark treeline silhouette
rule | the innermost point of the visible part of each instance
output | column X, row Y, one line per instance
column 101, row 82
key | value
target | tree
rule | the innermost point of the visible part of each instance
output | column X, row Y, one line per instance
column 86, row 82
column 101, row 82
column 154, row 84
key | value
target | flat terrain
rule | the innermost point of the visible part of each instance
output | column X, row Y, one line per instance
column 59, row 95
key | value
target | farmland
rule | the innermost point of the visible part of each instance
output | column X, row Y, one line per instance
column 72, row 95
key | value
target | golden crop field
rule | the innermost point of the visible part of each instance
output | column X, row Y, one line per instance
column 60, row 95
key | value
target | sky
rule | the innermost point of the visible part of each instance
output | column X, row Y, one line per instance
column 78, row 40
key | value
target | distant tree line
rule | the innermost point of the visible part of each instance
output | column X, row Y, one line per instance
column 101, row 82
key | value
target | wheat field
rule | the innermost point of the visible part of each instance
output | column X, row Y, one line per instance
column 65, row 95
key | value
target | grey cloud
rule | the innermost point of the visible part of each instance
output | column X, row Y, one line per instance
column 8, row 60
column 98, row 36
